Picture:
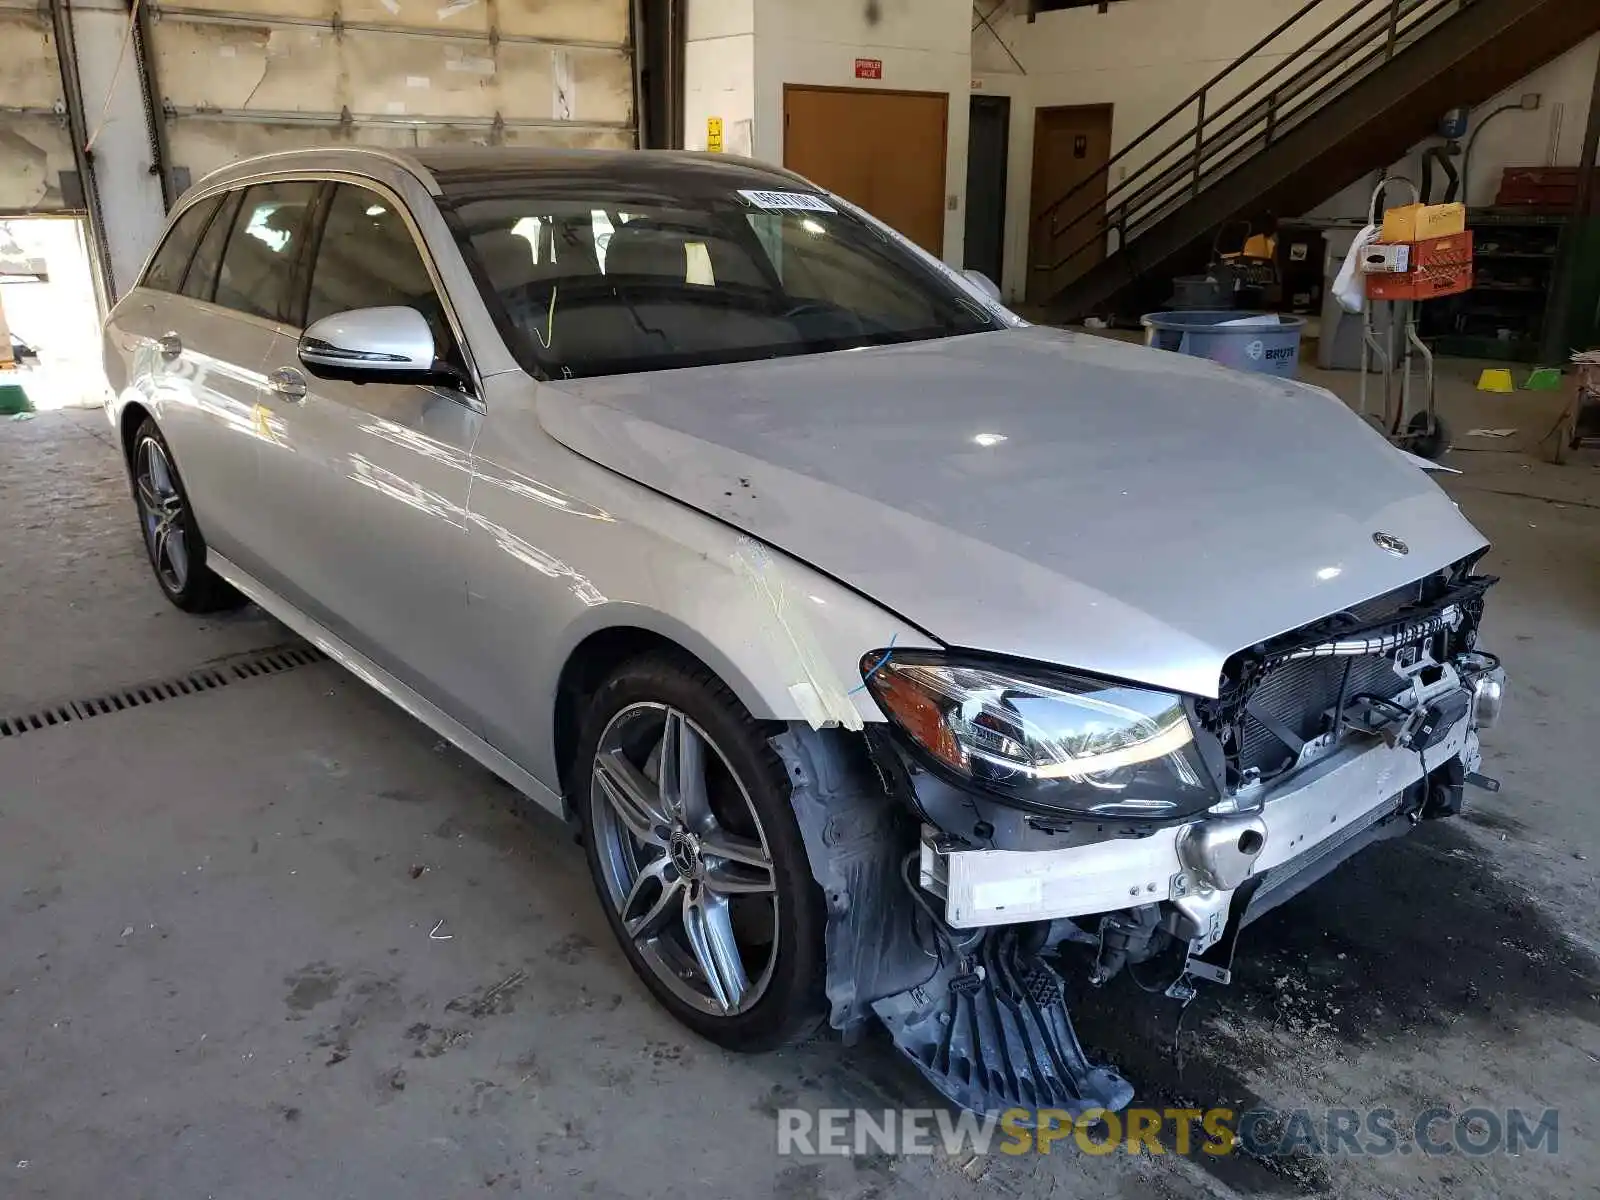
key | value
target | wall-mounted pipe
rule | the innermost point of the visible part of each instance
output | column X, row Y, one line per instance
column 1466, row 158
column 211, row 16
column 264, row 116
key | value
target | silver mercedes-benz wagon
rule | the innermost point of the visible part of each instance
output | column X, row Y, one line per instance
column 893, row 657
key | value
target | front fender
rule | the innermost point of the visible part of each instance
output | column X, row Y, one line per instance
column 547, row 570
column 787, row 640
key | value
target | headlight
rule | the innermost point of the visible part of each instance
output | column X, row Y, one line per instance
column 1046, row 740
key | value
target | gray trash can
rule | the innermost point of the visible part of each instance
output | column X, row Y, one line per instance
column 1339, row 344
column 1266, row 343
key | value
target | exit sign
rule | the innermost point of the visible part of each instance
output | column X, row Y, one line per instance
column 869, row 68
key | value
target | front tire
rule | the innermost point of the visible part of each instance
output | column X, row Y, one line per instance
column 697, row 857
column 171, row 535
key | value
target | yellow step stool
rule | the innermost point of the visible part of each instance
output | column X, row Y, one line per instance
column 1494, row 380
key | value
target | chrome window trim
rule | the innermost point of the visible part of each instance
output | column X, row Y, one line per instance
column 223, row 310
column 220, row 178
column 204, row 190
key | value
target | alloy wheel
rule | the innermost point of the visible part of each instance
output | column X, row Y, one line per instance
column 161, row 514
column 685, row 861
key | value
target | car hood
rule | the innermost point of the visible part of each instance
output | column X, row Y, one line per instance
column 1032, row 492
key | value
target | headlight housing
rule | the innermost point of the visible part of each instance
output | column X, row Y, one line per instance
column 1045, row 740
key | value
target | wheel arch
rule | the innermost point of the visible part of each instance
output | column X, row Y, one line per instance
column 600, row 651
column 134, row 414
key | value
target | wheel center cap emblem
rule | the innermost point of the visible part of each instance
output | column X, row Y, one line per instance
column 685, row 851
column 1390, row 544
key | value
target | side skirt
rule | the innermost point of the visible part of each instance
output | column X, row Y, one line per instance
column 364, row 669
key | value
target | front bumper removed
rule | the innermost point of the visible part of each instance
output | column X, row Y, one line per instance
column 992, row 1031
column 958, row 950
column 1348, row 790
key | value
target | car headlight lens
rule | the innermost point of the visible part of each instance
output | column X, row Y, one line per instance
column 1046, row 740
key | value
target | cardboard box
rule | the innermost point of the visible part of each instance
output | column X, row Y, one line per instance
column 1439, row 267
column 1422, row 222
column 1384, row 258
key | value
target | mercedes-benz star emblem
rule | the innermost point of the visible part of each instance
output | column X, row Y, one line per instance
column 1389, row 544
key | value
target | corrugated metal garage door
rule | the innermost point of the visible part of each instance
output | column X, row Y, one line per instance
column 241, row 77
column 34, row 145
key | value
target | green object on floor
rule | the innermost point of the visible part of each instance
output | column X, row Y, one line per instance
column 1545, row 379
column 13, row 400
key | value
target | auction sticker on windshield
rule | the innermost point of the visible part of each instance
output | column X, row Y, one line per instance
column 790, row 201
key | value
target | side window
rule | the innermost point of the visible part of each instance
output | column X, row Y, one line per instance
column 201, row 281
column 368, row 259
column 166, row 268
column 266, row 234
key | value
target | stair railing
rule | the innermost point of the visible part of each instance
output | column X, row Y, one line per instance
column 1301, row 80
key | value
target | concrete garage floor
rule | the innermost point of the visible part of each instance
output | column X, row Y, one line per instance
column 222, row 974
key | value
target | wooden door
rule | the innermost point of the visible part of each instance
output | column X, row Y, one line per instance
column 882, row 150
column 1069, row 146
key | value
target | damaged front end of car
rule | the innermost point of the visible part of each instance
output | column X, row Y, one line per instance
column 1010, row 821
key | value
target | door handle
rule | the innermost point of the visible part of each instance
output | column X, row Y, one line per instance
column 170, row 346
column 288, row 383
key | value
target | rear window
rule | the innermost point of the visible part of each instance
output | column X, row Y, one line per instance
column 168, row 265
column 604, row 284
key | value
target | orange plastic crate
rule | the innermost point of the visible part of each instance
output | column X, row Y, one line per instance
column 1439, row 267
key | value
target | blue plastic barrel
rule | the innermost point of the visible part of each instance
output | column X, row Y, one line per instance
column 1267, row 343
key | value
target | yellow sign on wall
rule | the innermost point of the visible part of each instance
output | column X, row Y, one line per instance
column 714, row 134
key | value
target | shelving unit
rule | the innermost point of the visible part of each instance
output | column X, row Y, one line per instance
column 1516, row 255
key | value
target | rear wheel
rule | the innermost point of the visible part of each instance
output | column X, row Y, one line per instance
column 171, row 536
column 697, row 857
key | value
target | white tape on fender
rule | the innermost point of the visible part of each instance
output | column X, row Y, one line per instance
column 821, row 698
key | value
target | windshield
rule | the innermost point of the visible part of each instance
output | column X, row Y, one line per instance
column 606, row 285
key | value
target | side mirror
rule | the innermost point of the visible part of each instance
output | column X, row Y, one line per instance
column 375, row 345
column 985, row 285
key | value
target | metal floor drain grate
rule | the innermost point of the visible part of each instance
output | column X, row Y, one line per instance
column 252, row 665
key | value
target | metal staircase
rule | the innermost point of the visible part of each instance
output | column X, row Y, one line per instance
column 1339, row 89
